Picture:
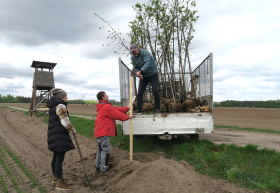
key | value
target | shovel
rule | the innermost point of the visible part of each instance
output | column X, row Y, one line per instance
column 82, row 160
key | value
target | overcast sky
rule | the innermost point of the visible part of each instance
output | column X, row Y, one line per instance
column 244, row 37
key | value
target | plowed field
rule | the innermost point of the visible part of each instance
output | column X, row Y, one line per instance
column 26, row 138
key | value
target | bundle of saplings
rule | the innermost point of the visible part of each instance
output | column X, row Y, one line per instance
column 169, row 106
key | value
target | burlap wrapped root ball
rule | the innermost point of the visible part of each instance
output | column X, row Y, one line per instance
column 188, row 105
column 165, row 102
column 147, row 107
column 175, row 107
column 162, row 108
column 197, row 101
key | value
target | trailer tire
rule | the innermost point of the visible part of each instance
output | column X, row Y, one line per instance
column 194, row 136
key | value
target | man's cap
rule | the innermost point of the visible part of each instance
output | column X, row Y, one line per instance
column 133, row 47
column 58, row 93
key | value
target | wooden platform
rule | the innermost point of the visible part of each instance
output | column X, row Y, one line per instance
column 42, row 109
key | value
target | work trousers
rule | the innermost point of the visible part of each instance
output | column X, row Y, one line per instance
column 102, row 156
column 142, row 87
column 57, row 160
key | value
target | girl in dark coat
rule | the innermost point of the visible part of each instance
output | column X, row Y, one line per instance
column 59, row 140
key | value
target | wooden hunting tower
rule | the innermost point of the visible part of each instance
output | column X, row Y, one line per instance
column 43, row 82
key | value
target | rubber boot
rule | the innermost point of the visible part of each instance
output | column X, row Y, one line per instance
column 61, row 185
column 54, row 179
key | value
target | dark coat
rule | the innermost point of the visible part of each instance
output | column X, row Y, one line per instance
column 145, row 63
column 59, row 139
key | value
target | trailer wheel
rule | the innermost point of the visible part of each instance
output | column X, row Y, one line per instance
column 194, row 136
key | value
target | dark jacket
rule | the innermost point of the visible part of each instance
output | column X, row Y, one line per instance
column 58, row 137
column 105, row 124
column 145, row 63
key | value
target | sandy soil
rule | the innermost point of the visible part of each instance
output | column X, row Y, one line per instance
column 26, row 137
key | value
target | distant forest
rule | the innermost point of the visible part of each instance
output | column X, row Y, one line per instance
column 254, row 104
column 229, row 103
column 21, row 99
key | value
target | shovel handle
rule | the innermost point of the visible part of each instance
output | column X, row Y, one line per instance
column 79, row 151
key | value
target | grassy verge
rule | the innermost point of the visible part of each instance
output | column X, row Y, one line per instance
column 248, row 129
column 83, row 126
column 84, row 115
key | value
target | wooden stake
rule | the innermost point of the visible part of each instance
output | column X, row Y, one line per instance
column 131, row 122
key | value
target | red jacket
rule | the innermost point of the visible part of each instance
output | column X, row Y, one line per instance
column 105, row 124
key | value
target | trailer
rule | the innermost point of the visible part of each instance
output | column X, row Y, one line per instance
column 170, row 125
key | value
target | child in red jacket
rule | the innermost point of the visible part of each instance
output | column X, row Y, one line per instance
column 105, row 126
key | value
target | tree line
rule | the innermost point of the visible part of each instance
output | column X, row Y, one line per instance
column 11, row 99
column 254, row 104
column 229, row 103
column 22, row 99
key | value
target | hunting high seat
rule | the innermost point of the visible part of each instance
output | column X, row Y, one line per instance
column 43, row 82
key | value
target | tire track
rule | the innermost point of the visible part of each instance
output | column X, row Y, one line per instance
column 5, row 177
column 24, row 183
column 26, row 149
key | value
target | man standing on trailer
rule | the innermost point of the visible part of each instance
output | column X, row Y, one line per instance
column 146, row 69
column 105, row 126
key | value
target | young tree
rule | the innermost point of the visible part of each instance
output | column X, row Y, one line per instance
column 165, row 28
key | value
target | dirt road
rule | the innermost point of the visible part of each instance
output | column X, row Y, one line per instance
column 26, row 137
column 242, row 138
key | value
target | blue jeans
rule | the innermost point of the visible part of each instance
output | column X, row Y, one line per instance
column 142, row 87
column 102, row 156
column 57, row 160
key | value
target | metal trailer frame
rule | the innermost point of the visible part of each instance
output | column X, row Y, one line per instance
column 169, row 125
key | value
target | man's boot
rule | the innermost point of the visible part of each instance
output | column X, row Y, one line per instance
column 54, row 179
column 107, row 173
column 137, row 112
column 61, row 185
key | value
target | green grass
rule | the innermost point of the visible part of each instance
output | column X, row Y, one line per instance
column 248, row 129
column 246, row 166
column 83, row 126
column 84, row 115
